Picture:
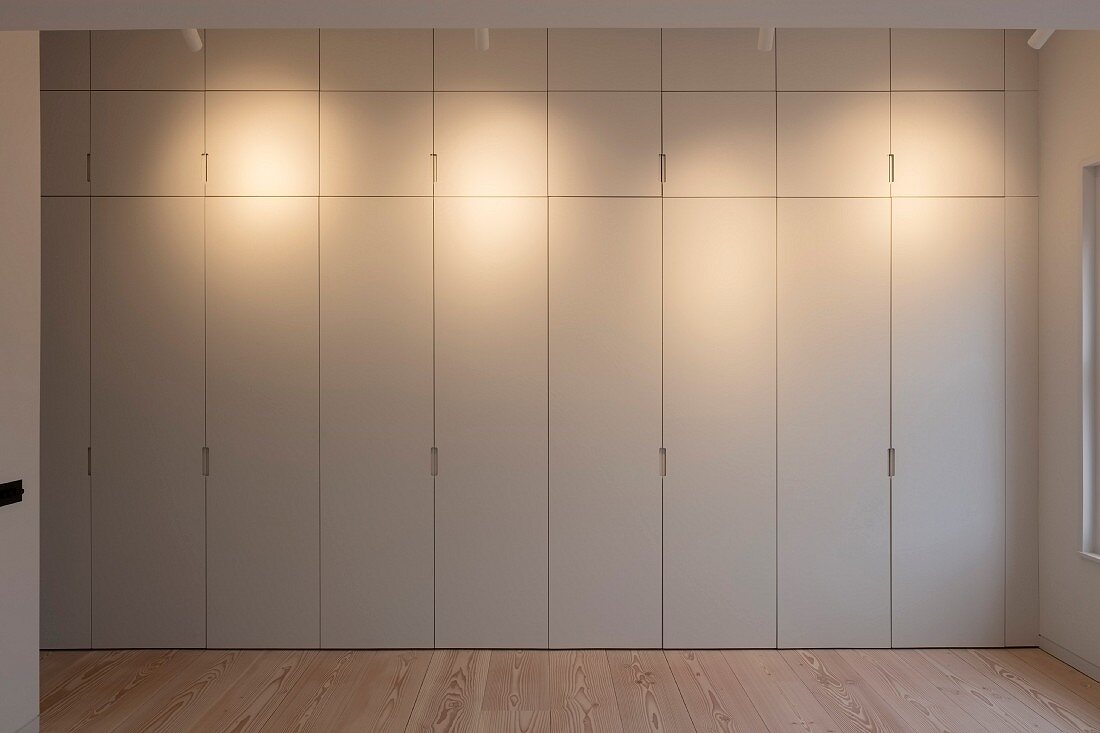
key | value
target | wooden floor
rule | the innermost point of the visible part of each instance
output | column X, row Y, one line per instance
column 999, row 691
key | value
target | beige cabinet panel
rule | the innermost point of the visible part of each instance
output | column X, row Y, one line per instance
column 376, row 59
column 605, row 423
column 281, row 60
column 148, row 492
column 262, row 422
column 64, row 58
column 834, row 422
column 834, row 144
column 65, row 143
column 948, row 143
column 949, row 422
column 719, row 143
column 376, row 422
column 1021, row 143
column 1021, row 61
column 491, row 422
column 715, row 59
column 66, row 571
column 376, row 143
column 262, row 143
column 616, row 59
column 145, row 60
column 833, row 59
column 147, row 143
column 719, row 423
column 491, row 144
column 1022, row 421
column 515, row 61
column 944, row 59
column 605, row 143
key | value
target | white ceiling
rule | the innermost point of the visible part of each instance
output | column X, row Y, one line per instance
column 82, row 14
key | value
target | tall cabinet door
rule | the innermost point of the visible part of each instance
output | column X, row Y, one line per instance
column 719, row 412
column 949, row 434
column 262, row 422
column 66, row 504
column 148, row 497
column 605, row 422
column 834, row 422
column 491, row 413
column 376, row 422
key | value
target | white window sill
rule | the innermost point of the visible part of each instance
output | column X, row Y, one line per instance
column 1090, row 556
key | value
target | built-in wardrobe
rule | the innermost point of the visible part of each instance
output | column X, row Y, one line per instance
column 597, row 338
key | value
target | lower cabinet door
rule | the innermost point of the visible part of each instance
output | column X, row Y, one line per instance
column 949, row 422
column 491, row 422
column 834, row 422
column 262, row 422
column 148, row 498
column 605, row 422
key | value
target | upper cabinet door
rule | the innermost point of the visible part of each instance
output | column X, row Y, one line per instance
column 376, row 422
column 376, row 144
column 719, row 423
column 834, row 422
column 490, row 144
column 719, row 143
column 262, row 422
column 605, row 422
column 514, row 62
column 491, row 422
column 605, row 143
column 65, row 143
column 947, row 59
column 605, row 59
column 147, row 143
column 65, row 498
column 262, row 143
column 834, row 144
column 949, row 434
column 376, row 59
column 948, row 143
column 279, row 60
column 715, row 60
column 64, row 58
column 145, row 60
column 148, row 403
column 833, row 59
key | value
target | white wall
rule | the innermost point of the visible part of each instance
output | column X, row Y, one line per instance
column 1069, row 596
column 19, row 344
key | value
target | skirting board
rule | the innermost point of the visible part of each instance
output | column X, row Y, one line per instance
column 1078, row 663
column 31, row 727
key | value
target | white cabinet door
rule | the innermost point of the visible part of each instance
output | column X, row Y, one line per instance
column 65, row 498
column 949, row 422
column 834, row 422
column 604, row 59
column 376, row 59
column 148, row 409
column 943, row 59
column 719, row 143
column 262, row 422
column 65, row 143
column 131, row 60
column 491, row 414
column 514, row 62
column 267, row 58
column 719, row 423
column 715, row 59
column 833, row 59
column 376, row 422
column 605, row 422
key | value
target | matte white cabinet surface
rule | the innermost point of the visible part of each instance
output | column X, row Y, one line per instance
column 719, row 423
column 280, row 59
column 134, row 60
column 833, row 59
column 66, row 499
column 376, row 59
column 719, row 143
column 514, row 62
column 66, row 141
column 376, row 423
column 834, row 422
column 947, row 59
column 148, row 493
column 64, row 60
column 376, row 144
column 949, row 433
column 948, row 143
column 147, row 143
column 604, row 143
column 605, row 423
column 602, row 59
column 490, row 144
column 1021, row 143
column 262, row 422
column 491, row 422
column 715, row 59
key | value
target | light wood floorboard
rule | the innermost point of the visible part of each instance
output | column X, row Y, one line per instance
column 584, row 691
